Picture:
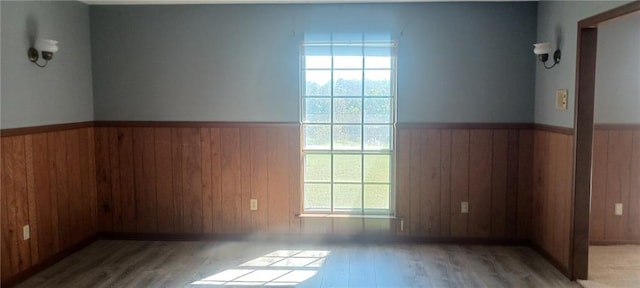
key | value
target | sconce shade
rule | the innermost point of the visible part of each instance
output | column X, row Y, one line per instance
column 47, row 45
column 542, row 48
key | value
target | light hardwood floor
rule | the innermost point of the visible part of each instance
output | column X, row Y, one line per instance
column 240, row 263
column 613, row 266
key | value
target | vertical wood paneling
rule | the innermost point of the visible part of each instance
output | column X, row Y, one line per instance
column 88, row 215
column 245, row 175
column 634, row 190
column 459, row 181
column 191, row 181
column 526, row 178
column 46, row 209
column 114, row 164
column 599, row 184
column 5, row 232
column 127, row 181
column 563, row 199
column 176, row 161
column 164, row 180
column 10, row 232
column 277, row 179
column 480, row 153
column 430, row 182
column 445, row 184
column 616, row 174
column 230, row 177
column 58, row 149
column 144, row 174
column 295, row 182
column 511, row 224
column 208, row 175
column 46, row 184
column 73, row 203
column 403, row 191
column 259, row 177
column 618, row 180
column 553, row 165
column 21, row 202
column 216, row 181
column 31, row 200
column 55, row 168
column 207, row 194
column 415, row 220
column 499, row 182
column 93, row 185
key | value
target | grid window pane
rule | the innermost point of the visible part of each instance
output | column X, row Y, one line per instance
column 377, row 110
column 315, row 62
column 347, row 110
column 347, row 168
column 317, row 137
column 318, row 83
column 317, row 167
column 347, row 196
column 317, row 196
column 317, row 110
column 376, row 196
column 347, row 119
column 347, row 83
column 377, row 137
column 347, row 137
column 377, row 83
column 377, row 168
column 349, row 62
column 372, row 62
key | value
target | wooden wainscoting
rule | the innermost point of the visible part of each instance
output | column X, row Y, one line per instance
column 48, row 183
column 616, row 179
column 197, row 178
column 552, row 193
column 489, row 166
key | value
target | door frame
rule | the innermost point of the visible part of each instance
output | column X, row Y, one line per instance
column 583, row 134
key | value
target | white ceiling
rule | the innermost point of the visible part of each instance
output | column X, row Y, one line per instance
column 152, row 2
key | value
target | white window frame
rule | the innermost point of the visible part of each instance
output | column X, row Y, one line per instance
column 391, row 152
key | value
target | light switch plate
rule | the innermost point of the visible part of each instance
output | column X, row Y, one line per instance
column 253, row 204
column 562, row 96
column 464, row 207
column 618, row 209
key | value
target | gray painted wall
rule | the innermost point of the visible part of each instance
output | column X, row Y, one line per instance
column 558, row 23
column 618, row 71
column 59, row 93
column 457, row 62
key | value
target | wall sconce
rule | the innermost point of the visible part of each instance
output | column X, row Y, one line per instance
column 47, row 46
column 543, row 50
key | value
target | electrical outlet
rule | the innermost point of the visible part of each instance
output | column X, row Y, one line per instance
column 618, row 209
column 464, row 207
column 25, row 232
column 253, row 204
column 562, row 99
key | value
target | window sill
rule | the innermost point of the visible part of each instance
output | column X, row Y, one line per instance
column 319, row 215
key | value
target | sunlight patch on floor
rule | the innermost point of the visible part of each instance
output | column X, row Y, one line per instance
column 278, row 268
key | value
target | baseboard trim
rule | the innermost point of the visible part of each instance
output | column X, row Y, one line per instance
column 21, row 276
column 313, row 238
column 564, row 270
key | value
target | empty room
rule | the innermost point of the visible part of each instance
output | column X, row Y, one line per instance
column 226, row 143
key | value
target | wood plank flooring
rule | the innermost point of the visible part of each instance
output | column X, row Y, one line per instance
column 613, row 266
column 108, row 263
